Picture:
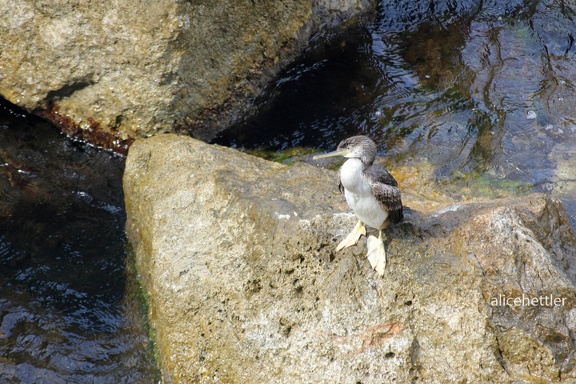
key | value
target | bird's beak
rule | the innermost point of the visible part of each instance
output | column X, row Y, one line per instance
column 341, row 152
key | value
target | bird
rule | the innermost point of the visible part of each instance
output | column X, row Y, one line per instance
column 372, row 193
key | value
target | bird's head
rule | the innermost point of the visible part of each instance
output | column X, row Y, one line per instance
column 359, row 147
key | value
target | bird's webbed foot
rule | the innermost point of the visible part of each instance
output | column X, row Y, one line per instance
column 353, row 236
column 376, row 253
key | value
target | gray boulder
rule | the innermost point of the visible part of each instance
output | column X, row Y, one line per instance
column 110, row 72
column 236, row 255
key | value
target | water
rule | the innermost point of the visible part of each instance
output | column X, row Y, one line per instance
column 478, row 89
column 70, row 308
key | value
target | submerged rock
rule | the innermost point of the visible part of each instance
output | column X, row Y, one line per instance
column 109, row 74
column 237, row 256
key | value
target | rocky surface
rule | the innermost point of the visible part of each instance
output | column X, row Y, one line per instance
column 112, row 73
column 236, row 255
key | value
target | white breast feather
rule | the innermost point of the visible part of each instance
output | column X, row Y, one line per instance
column 358, row 193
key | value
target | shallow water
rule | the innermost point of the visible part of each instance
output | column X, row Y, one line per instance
column 70, row 310
column 479, row 90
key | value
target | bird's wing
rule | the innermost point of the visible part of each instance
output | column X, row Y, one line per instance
column 385, row 189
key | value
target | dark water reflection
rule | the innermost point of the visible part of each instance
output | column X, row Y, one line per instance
column 475, row 88
column 69, row 310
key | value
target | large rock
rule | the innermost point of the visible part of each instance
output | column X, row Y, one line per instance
column 109, row 72
column 237, row 257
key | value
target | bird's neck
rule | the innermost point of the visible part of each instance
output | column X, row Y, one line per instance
column 351, row 174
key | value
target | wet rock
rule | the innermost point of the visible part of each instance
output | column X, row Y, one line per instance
column 236, row 255
column 110, row 74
